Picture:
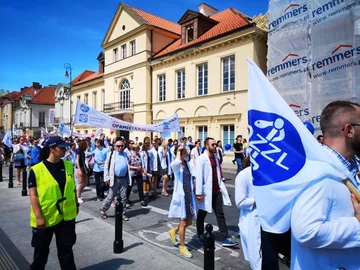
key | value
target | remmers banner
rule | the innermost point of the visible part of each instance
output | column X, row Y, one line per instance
column 85, row 115
column 314, row 53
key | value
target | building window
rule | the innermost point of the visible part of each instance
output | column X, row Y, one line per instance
column 125, row 95
column 132, row 47
column 162, row 87
column 94, row 100
column 123, row 51
column 86, row 131
column 86, row 99
column 228, row 134
column 115, row 54
column 228, row 78
column 202, row 132
column 78, row 97
column 189, row 33
column 41, row 119
column 181, row 133
column 102, row 98
column 180, row 83
column 202, row 79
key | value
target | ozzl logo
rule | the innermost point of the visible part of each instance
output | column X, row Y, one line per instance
column 84, row 108
column 292, row 11
column 291, row 60
column 83, row 118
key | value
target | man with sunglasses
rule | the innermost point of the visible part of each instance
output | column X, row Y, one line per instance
column 211, row 193
column 325, row 221
column 117, row 176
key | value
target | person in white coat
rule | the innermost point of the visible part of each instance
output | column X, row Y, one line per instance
column 157, row 165
column 211, row 193
column 249, row 223
column 325, row 220
column 183, row 203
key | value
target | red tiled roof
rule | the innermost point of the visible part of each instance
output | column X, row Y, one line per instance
column 86, row 76
column 27, row 91
column 45, row 96
column 10, row 95
column 229, row 20
column 157, row 21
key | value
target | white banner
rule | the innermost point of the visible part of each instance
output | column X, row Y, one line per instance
column 48, row 134
column 51, row 117
column 85, row 115
column 67, row 131
column 314, row 53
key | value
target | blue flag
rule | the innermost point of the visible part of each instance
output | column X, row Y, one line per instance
column 7, row 139
column 285, row 156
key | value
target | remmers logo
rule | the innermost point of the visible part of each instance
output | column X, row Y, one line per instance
column 338, row 54
column 298, row 110
column 291, row 60
column 291, row 11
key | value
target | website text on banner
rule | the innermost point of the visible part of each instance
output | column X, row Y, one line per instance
column 85, row 115
column 314, row 53
column 285, row 156
column 67, row 131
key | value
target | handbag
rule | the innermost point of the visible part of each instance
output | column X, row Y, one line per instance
column 91, row 161
column 18, row 156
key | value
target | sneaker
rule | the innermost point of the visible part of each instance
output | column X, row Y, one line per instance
column 201, row 238
column 229, row 242
column 80, row 200
column 143, row 203
column 172, row 234
column 184, row 251
column 128, row 205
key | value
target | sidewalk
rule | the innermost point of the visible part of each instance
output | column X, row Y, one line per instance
column 94, row 246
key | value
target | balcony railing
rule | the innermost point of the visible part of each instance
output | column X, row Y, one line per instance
column 23, row 124
column 119, row 107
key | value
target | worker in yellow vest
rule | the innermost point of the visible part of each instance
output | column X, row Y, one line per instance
column 54, row 206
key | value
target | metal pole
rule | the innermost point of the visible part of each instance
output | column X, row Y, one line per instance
column 24, row 188
column 118, row 243
column 11, row 171
column 209, row 248
column 1, row 167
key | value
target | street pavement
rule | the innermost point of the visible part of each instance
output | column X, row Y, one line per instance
column 147, row 244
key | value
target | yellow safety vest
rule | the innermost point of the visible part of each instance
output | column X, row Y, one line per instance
column 54, row 207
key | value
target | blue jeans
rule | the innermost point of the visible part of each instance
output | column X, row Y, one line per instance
column 239, row 165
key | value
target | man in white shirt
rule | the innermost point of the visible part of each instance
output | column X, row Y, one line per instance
column 325, row 219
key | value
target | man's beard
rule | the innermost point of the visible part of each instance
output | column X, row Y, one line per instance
column 355, row 144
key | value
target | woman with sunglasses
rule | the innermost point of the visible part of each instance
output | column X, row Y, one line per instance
column 183, row 204
column 20, row 157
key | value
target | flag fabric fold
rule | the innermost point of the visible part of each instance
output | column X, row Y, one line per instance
column 285, row 156
column 7, row 139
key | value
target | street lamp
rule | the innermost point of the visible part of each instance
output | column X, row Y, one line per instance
column 68, row 74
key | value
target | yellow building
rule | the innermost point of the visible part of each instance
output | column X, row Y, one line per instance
column 88, row 87
column 196, row 68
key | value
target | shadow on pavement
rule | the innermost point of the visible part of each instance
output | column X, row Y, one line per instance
column 132, row 246
column 109, row 265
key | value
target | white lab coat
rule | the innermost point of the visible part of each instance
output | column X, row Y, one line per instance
column 325, row 233
column 195, row 153
column 249, row 223
column 109, row 169
column 154, row 155
column 203, row 178
column 177, row 206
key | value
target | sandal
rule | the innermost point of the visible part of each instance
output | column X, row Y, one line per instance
column 164, row 193
column 103, row 215
column 125, row 218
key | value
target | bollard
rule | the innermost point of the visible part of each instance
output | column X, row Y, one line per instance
column 209, row 248
column 118, row 243
column 1, row 167
column 11, row 171
column 24, row 188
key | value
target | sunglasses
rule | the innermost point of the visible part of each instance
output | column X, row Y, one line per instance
column 213, row 144
column 118, row 146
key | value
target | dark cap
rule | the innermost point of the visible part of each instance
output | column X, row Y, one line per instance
column 56, row 141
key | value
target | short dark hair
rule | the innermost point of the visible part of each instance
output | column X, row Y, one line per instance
column 238, row 136
column 333, row 112
column 206, row 142
column 170, row 140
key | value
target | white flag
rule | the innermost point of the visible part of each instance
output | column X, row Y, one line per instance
column 7, row 139
column 15, row 131
column 285, row 157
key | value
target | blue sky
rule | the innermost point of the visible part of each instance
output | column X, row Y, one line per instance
column 39, row 36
